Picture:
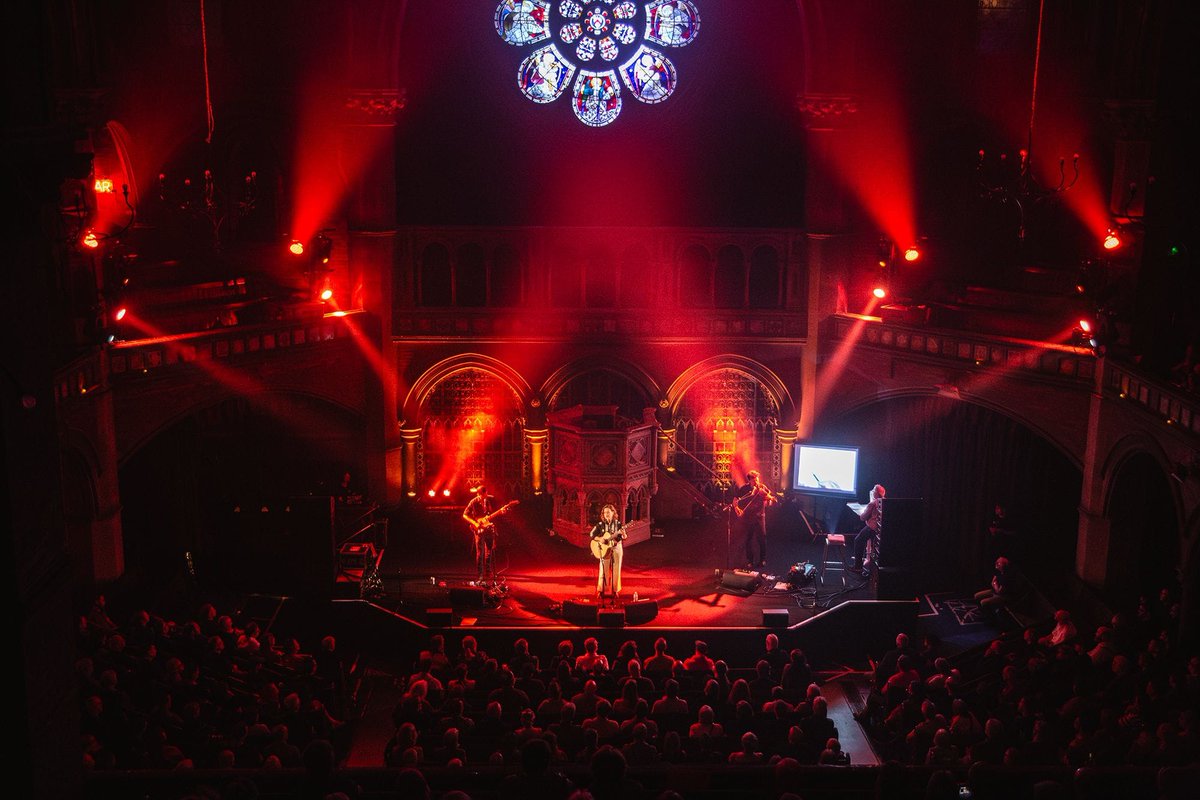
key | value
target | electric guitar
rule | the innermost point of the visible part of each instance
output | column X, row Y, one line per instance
column 483, row 526
column 603, row 545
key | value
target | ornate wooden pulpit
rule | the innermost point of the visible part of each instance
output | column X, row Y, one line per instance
column 598, row 457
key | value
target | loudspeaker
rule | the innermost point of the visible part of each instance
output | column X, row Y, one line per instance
column 900, row 540
column 641, row 612
column 439, row 617
column 579, row 612
column 737, row 579
column 612, row 618
column 467, row 596
column 775, row 617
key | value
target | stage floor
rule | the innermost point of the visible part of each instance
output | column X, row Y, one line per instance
column 679, row 568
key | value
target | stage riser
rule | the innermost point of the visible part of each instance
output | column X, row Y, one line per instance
column 843, row 635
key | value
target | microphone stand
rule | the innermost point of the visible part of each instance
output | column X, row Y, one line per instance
column 726, row 506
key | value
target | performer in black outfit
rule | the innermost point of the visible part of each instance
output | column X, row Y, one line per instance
column 872, row 517
column 476, row 514
column 751, row 505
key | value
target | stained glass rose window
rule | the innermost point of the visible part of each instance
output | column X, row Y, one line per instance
column 604, row 44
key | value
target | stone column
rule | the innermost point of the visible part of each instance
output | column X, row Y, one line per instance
column 1091, row 548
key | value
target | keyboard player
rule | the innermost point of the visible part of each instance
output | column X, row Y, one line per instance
column 872, row 518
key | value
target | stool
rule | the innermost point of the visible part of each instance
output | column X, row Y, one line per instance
column 837, row 543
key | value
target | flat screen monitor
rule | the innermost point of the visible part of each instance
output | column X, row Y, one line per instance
column 825, row 469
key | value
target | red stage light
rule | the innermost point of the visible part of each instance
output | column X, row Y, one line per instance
column 296, row 248
column 879, row 292
column 432, row 493
column 445, row 492
column 1085, row 326
column 327, row 294
column 104, row 186
column 1112, row 240
column 912, row 253
column 121, row 312
column 90, row 240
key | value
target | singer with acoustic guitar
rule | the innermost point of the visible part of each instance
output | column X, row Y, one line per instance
column 479, row 514
column 607, row 535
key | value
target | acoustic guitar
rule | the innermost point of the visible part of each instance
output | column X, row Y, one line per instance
column 603, row 545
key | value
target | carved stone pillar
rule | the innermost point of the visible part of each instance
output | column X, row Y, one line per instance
column 410, row 437
column 537, row 443
column 787, row 440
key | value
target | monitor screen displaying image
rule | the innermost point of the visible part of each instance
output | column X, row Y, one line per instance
column 825, row 469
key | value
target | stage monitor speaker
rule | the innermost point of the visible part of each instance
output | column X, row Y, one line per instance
column 612, row 618
column 579, row 613
column 775, row 617
column 439, row 617
column 737, row 579
column 467, row 597
column 641, row 612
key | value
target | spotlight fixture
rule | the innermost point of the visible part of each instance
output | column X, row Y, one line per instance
column 432, row 493
column 327, row 295
column 1085, row 326
column 879, row 292
column 296, row 248
column 445, row 492
column 322, row 249
column 90, row 240
column 1112, row 239
column 912, row 253
column 120, row 313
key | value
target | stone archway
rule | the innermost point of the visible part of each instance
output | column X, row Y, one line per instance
column 1144, row 531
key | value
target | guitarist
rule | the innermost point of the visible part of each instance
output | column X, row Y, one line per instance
column 606, row 546
column 478, row 514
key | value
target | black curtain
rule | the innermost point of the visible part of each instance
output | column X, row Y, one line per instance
column 963, row 459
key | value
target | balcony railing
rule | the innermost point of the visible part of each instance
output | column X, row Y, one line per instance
column 980, row 350
column 508, row 324
column 1172, row 406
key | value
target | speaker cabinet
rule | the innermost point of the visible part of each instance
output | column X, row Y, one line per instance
column 742, row 581
column 579, row 613
column 900, row 541
column 641, row 612
column 775, row 618
column 612, row 618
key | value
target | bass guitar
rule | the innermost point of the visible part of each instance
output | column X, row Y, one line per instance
column 603, row 545
column 483, row 527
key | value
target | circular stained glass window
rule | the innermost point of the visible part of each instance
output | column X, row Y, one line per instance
column 624, row 35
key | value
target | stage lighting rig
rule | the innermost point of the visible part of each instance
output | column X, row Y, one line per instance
column 1011, row 181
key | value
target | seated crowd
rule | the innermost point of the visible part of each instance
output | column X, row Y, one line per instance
column 204, row 693
column 467, row 707
column 1127, row 694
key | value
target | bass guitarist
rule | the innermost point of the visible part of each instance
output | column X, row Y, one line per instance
column 479, row 514
column 607, row 535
